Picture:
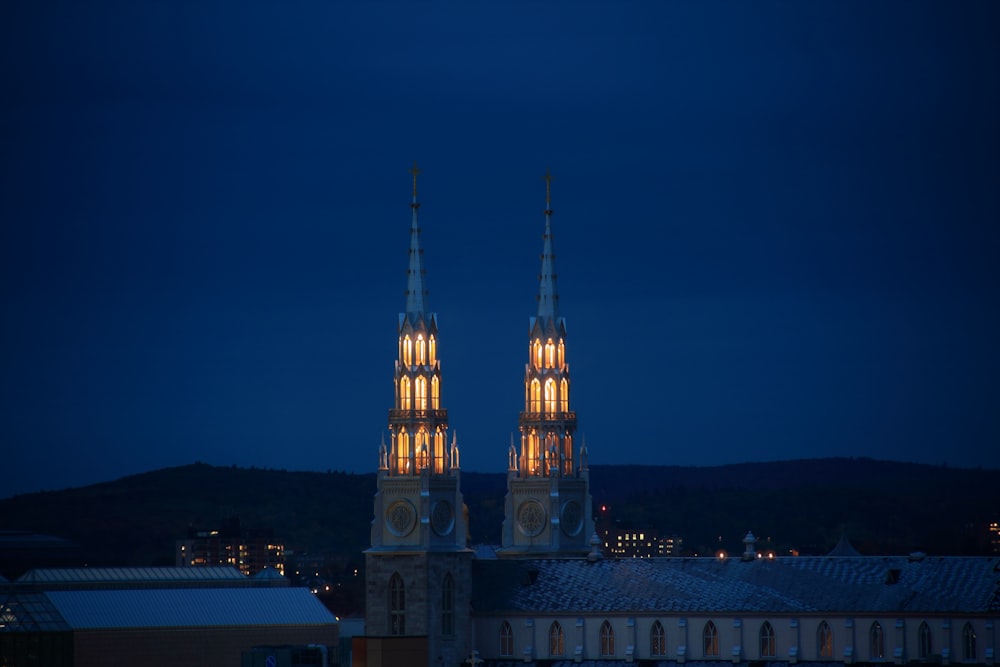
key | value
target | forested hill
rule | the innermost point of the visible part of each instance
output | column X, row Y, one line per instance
column 883, row 507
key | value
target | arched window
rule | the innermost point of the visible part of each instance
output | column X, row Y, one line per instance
column 536, row 396
column 433, row 350
column 506, row 640
column 766, row 640
column 562, row 353
column 551, row 397
column 876, row 642
column 421, row 397
column 550, row 354
column 448, row 605
column 924, row 644
column 968, row 642
column 439, row 451
column 397, row 605
column 403, row 452
column 435, row 393
column 405, row 397
column 556, row 644
column 710, row 641
column 407, row 351
column 607, row 639
column 538, row 353
column 824, row 640
column 657, row 636
column 564, row 395
column 421, row 351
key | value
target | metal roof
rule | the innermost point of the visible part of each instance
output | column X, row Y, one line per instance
column 189, row 607
column 99, row 575
column 710, row 585
column 27, row 612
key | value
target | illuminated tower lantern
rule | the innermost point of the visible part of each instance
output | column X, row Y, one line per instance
column 548, row 506
column 419, row 566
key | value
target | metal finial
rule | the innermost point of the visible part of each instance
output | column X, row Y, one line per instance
column 415, row 171
column 548, row 188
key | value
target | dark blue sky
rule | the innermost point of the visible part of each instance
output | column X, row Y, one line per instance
column 776, row 228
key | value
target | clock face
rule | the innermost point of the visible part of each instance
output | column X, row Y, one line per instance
column 400, row 518
column 531, row 518
column 442, row 517
column 571, row 518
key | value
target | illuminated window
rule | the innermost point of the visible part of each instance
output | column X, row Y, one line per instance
column 421, row 393
column 404, row 393
column 550, row 354
column 448, row 605
column 607, row 639
column 824, row 640
column 421, row 351
column 397, row 605
column 536, row 396
column 407, row 351
column 564, row 395
column 556, row 643
column 538, row 354
column 710, row 641
column 924, row 646
column 562, row 353
column 533, row 453
column 876, row 642
column 402, row 451
column 551, row 396
column 439, row 451
column 506, row 640
column 432, row 345
column 766, row 636
column 657, row 640
column 435, row 393
column 968, row 642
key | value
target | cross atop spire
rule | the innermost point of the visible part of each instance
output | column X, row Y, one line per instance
column 548, row 299
column 415, row 171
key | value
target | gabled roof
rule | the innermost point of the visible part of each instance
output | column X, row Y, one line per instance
column 709, row 585
column 189, row 607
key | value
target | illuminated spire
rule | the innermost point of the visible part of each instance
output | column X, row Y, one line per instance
column 548, row 298
column 415, row 291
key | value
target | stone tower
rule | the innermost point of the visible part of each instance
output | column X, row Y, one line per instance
column 547, row 510
column 418, row 569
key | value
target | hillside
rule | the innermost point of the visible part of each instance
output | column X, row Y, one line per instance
column 884, row 507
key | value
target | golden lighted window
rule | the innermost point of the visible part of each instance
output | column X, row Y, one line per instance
column 536, row 396
column 407, row 351
column 538, row 354
column 562, row 353
column 402, row 451
column 421, row 351
column 533, row 446
column 421, row 393
column 824, row 640
column 421, row 449
column 439, row 448
column 550, row 354
column 435, row 393
column 551, row 396
column 564, row 395
column 432, row 345
column 404, row 393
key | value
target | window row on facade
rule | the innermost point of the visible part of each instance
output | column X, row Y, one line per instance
column 548, row 355
column 413, row 395
column 397, row 605
column 427, row 450
column 424, row 353
column 932, row 641
column 550, row 398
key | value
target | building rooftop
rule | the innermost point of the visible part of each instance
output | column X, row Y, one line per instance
column 90, row 576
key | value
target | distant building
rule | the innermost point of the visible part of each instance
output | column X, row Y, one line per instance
column 639, row 543
column 249, row 550
column 154, row 617
column 548, row 596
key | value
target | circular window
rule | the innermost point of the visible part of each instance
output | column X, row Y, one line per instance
column 531, row 518
column 400, row 518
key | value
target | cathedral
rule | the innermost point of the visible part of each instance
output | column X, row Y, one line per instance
column 546, row 596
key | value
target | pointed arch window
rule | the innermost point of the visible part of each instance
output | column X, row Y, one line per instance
column 421, row 393
column 537, row 353
column 435, row 393
column 439, row 451
column 533, row 461
column 397, row 605
column 403, row 451
column 562, row 353
column 876, row 642
column 824, row 640
column 536, row 396
column 551, row 397
column 506, row 640
column 550, row 354
column 448, row 605
column 564, row 395
column 968, row 642
column 557, row 645
column 421, row 351
column 657, row 640
column 924, row 641
column 607, row 639
column 710, row 641
column 407, row 351
column 432, row 350
column 405, row 396
column 766, row 636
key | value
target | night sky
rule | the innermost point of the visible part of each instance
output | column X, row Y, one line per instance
column 776, row 228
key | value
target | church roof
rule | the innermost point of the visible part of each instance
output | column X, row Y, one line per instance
column 713, row 586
